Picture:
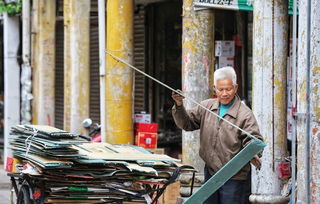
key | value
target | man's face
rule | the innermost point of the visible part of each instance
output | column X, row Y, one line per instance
column 225, row 91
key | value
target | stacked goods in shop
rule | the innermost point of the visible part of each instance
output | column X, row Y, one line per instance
column 64, row 168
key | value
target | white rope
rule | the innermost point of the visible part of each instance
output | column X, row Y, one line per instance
column 179, row 92
column 28, row 145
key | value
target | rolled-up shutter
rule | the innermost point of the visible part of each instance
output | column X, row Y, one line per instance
column 59, row 107
column 139, row 58
column 94, row 71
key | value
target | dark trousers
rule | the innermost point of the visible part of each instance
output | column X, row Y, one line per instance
column 232, row 192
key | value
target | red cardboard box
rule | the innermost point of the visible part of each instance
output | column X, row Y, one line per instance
column 146, row 135
column 147, row 127
column 147, row 140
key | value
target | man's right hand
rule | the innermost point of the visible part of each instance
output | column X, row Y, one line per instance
column 178, row 99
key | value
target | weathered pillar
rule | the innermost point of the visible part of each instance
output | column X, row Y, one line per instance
column 197, row 67
column 26, row 85
column 67, row 65
column 308, row 103
column 11, row 41
column 119, row 83
column 43, row 61
column 270, row 31
column 102, row 66
column 76, row 67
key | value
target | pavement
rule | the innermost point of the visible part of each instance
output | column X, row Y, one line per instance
column 4, row 186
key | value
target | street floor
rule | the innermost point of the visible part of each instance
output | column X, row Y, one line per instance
column 4, row 187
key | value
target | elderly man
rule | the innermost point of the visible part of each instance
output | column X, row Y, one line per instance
column 219, row 141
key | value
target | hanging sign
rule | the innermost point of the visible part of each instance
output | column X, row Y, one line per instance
column 226, row 4
column 290, row 7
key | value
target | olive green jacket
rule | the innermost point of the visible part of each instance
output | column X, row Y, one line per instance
column 219, row 141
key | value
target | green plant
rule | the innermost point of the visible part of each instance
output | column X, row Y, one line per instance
column 11, row 8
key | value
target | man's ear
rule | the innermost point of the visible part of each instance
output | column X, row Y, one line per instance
column 236, row 87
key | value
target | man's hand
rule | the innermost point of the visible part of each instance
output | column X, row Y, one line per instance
column 256, row 162
column 178, row 99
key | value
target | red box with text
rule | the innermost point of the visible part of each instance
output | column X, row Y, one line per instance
column 146, row 135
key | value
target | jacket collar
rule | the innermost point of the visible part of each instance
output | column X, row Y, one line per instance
column 233, row 110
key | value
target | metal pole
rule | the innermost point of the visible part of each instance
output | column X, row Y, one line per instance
column 294, row 101
column 182, row 94
column 308, row 135
column 102, row 66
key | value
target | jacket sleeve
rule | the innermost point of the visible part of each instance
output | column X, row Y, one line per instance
column 251, row 126
column 187, row 120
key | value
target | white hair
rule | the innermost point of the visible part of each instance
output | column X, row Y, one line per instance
column 225, row 73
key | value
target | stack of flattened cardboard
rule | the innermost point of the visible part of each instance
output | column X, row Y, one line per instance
column 72, row 170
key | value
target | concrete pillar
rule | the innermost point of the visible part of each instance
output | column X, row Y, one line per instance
column 76, row 70
column 119, row 77
column 308, row 103
column 26, row 72
column 43, row 61
column 270, row 31
column 314, row 94
column 197, row 70
column 102, row 66
column 11, row 38
column 67, row 65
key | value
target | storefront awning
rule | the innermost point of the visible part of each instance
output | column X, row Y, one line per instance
column 246, row 5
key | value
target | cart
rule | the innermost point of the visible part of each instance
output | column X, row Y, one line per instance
column 30, row 190
column 25, row 189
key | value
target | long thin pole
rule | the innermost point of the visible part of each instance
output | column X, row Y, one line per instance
column 179, row 92
column 308, row 135
column 294, row 100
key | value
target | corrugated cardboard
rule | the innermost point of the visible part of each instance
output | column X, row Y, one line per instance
column 171, row 194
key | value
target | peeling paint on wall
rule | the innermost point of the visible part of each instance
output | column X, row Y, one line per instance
column 67, row 66
column 119, row 77
column 303, row 98
column 315, row 103
column 197, row 61
column 270, row 27
column 76, row 64
column 79, row 61
column 44, row 62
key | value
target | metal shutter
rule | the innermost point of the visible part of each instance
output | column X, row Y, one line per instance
column 59, row 75
column 94, row 71
column 139, row 58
